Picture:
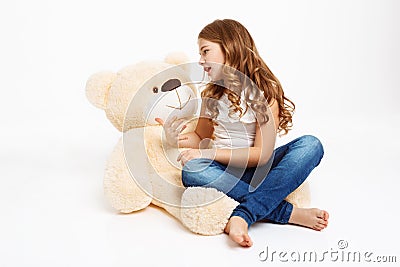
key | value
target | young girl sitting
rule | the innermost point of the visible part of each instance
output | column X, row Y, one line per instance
column 243, row 108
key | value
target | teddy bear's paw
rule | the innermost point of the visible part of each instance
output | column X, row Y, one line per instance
column 125, row 197
column 206, row 210
column 121, row 190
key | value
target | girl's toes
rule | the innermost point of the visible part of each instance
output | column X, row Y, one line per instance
column 320, row 214
column 321, row 226
column 317, row 227
column 322, row 222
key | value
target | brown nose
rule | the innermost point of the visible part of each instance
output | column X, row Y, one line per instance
column 170, row 85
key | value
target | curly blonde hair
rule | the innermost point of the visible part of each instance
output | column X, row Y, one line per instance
column 250, row 73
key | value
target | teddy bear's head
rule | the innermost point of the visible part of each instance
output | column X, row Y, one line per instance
column 137, row 94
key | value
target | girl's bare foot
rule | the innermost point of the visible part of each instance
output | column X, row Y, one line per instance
column 312, row 218
column 237, row 230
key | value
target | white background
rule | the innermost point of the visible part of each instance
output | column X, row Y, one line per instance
column 339, row 61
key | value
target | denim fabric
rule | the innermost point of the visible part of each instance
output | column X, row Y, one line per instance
column 260, row 199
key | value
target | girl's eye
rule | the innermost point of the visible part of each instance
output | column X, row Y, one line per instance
column 205, row 51
column 155, row 90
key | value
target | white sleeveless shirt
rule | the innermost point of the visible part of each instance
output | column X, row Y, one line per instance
column 232, row 131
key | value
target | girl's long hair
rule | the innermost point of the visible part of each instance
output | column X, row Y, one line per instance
column 251, row 75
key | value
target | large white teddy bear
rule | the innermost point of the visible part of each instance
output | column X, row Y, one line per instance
column 141, row 169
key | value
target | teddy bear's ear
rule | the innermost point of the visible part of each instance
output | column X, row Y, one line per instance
column 178, row 58
column 98, row 86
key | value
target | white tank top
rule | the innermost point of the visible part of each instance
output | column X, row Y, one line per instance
column 232, row 131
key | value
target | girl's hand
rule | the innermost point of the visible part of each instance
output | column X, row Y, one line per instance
column 172, row 129
column 190, row 154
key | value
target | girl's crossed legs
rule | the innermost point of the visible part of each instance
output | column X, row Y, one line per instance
column 261, row 193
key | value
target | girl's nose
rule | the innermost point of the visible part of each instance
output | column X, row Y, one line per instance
column 202, row 60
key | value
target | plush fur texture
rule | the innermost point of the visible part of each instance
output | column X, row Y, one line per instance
column 140, row 169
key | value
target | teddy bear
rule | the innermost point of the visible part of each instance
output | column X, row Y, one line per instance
column 142, row 170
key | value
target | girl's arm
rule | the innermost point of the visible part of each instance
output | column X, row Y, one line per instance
column 258, row 154
column 263, row 147
column 199, row 138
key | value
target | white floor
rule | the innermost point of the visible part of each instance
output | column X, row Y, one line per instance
column 54, row 144
column 54, row 213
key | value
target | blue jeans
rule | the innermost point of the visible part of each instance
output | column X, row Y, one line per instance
column 260, row 191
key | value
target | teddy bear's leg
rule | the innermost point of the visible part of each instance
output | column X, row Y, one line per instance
column 206, row 211
column 301, row 196
column 121, row 190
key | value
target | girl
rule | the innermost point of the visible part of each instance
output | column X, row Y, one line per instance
column 243, row 108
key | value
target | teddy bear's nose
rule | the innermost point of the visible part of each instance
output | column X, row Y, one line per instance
column 170, row 85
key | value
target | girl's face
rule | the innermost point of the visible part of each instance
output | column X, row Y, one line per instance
column 211, row 58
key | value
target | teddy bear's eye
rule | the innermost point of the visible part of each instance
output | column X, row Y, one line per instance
column 155, row 90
